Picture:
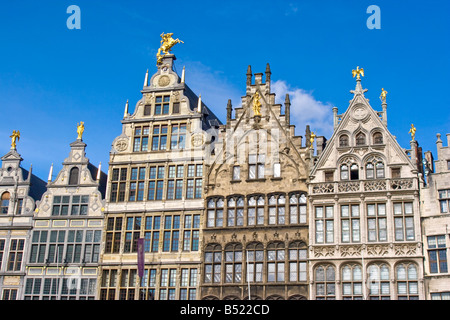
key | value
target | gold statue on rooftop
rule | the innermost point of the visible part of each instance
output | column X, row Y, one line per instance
column 256, row 104
column 15, row 136
column 383, row 95
column 167, row 42
column 358, row 72
column 412, row 131
column 80, row 130
column 311, row 140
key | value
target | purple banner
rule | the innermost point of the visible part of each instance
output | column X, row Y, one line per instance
column 140, row 256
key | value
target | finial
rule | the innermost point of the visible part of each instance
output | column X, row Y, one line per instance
column 199, row 106
column 15, row 136
column 249, row 75
column 167, row 42
column 383, row 95
column 229, row 110
column 146, row 79
column 412, row 131
column 182, row 75
column 99, row 170
column 50, row 174
column 125, row 113
column 268, row 68
column 287, row 100
column 80, row 130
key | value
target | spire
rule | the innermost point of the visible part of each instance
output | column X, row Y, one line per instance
column 229, row 110
column 125, row 114
column 358, row 73
column 183, row 75
column 146, row 79
column 287, row 105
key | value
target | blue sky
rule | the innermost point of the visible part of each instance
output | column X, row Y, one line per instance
column 52, row 77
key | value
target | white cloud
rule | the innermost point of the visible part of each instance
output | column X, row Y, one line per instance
column 305, row 109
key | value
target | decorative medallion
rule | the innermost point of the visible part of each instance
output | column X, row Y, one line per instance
column 198, row 140
column 360, row 112
column 121, row 145
column 163, row 81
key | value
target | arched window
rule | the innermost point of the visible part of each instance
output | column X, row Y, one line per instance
column 277, row 209
column 343, row 140
column 73, row 177
column 233, row 263
column 255, row 210
column 213, row 261
column 215, row 212
column 344, row 172
column 354, row 172
column 377, row 138
column 369, row 171
column 407, row 284
column 360, row 139
column 352, row 282
column 235, row 211
column 5, row 203
column 297, row 261
column 255, row 257
column 325, row 283
column 275, row 262
column 297, row 208
column 375, row 168
column 379, row 282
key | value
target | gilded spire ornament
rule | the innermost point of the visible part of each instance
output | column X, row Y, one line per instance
column 167, row 42
column 412, row 131
column 14, row 137
column 80, row 130
column 256, row 104
column 383, row 95
column 358, row 72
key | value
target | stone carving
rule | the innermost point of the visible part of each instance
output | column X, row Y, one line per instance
column 348, row 186
column 323, row 188
column 163, row 81
column 401, row 184
column 121, row 145
column 408, row 249
column 378, row 250
column 323, row 251
column 375, row 185
column 350, row 251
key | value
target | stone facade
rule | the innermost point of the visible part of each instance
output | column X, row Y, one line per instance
column 19, row 190
column 435, row 212
column 155, row 193
column 365, row 233
column 64, row 248
column 255, row 235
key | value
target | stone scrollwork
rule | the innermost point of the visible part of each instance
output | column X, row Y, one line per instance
column 324, row 251
column 350, row 251
column 377, row 250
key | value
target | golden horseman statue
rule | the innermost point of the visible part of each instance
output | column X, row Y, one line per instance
column 167, row 42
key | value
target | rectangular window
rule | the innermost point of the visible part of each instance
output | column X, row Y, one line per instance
column 113, row 234
column 437, row 254
column 350, row 228
column 276, row 170
column 159, row 137
column 194, row 182
column 15, row 254
column 162, row 105
column 178, row 137
column 236, row 173
column 156, row 183
column 324, row 224
column 404, row 221
column 141, row 135
column 444, row 200
column 376, row 222
column 118, row 184
column 256, row 165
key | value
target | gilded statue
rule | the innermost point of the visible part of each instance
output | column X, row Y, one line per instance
column 80, row 130
column 167, row 42
column 15, row 136
column 311, row 140
column 412, row 131
column 256, row 104
column 383, row 95
column 358, row 72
